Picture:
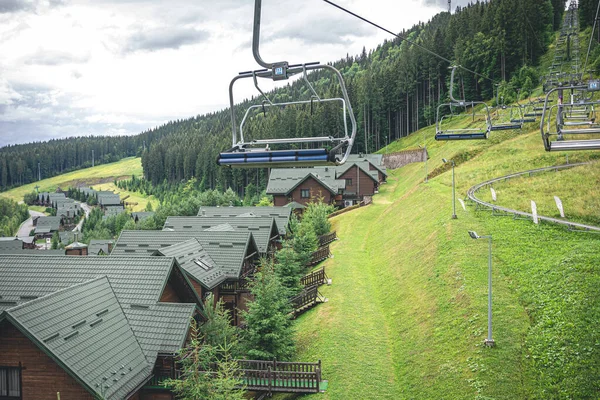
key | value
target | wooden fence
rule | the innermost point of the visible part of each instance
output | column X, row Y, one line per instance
column 327, row 238
column 317, row 277
column 321, row 254
column 307, row 298
column 261, row 375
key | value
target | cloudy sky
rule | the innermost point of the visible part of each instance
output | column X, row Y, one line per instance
column 114, row 67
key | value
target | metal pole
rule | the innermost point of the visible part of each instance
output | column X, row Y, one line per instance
column 489, row 341
column 426, row 174
column 39, row 172
column 92, row 158
column 453, row 194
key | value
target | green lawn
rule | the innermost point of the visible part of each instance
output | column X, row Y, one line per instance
column 100, row 177
column 407, row 310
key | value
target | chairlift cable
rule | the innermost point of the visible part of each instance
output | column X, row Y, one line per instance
column 406, row 40
column 591, row 38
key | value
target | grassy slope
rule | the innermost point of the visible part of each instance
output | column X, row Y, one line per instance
column 100, row 177
column 407, row 310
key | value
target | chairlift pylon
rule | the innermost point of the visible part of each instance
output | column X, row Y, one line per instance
column 286, row 152
column 461, row 133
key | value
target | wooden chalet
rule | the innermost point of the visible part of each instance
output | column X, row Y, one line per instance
column 358, row 182
column 217, row 262
column 370, row 162
column 46, row 226
column 281, row 214
column 90, row 327
column 106, row 200
column 303, row 185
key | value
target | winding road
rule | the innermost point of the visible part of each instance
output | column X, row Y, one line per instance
column 27, row 225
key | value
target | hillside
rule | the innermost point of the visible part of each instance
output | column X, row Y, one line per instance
column 406, row 316
column 101, row 177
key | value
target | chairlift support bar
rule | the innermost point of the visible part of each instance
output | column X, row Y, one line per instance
column 461, row 134
column 241, row 151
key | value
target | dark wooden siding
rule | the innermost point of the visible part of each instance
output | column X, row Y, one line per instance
column 169, row 295
column 316, row 190
column 366, row 186
column 41, row 376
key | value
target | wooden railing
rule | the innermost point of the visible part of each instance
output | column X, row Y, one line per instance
column 317, row 277
column 321, row 254
column 327, row 238
column 307, row 298
column 241, row 286
column 260, row 375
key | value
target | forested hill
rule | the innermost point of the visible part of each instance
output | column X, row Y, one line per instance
column 394, row 90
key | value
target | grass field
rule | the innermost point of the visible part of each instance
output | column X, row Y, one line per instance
column 407, row 310
column 99, row 177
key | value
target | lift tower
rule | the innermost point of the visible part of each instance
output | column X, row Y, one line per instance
column 449, row 6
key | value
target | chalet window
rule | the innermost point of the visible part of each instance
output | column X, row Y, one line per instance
column 348, row 182
column 10, row 383
column 305, row 193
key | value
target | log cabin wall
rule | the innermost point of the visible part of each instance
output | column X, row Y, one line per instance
column 41, row 377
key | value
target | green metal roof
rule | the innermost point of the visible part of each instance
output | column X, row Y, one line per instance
column 281, row 214
column 196, row 261
column 135, row 280
column 141, row 215
column 284, row 180
column 376, row 160
column 227, row 249
column 263, row 229
column 84, row 329
column 53, row 223
column 33, row 252
column 109, row 199
column 10, row 243
column 97, row 244
column 160, row 328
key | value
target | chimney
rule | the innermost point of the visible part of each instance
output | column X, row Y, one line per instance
column 204, row 213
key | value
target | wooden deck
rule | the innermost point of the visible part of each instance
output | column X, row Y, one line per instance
column 263, row 376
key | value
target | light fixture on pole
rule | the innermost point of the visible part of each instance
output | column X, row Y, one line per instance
column 424, row 147
column 488, row 341
column 453, row 188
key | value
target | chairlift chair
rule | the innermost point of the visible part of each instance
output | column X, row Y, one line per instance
column 461, row 133
column 505, row 117
column 286, row 152
column 559, row 133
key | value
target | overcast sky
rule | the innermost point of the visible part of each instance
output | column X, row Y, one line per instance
column 113, row 67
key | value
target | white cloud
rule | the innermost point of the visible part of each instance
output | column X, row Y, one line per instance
column 123, row 66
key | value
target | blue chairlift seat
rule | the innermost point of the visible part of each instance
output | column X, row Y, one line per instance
column 273, row 158
column 461, row 136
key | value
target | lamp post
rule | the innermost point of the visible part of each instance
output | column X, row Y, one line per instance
column 488, row 341
column 453, row 188
column 424, row 147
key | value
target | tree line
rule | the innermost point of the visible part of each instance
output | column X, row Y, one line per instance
column 394, row 90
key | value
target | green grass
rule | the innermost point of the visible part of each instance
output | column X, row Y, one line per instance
column 407, row 310
column 99, row 177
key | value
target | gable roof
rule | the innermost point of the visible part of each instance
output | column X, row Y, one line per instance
column 51, row 223
column 135, row 280
column 263, row 229
column 196, row 261
column 227, row 249
column 342, row 169
column 282, row 215
column 160, row 328
column 97, row 245
column 84, row 330
column 109, row 199
column 283, row 180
